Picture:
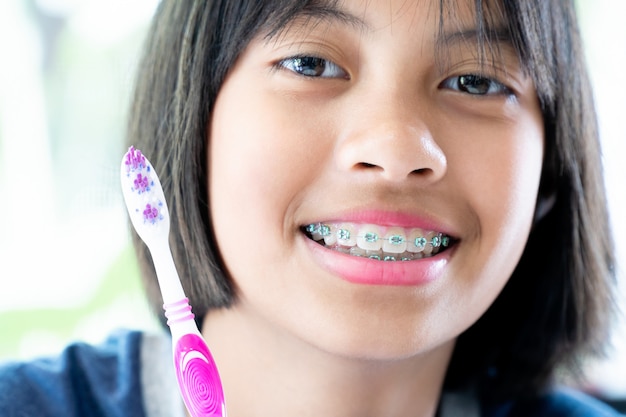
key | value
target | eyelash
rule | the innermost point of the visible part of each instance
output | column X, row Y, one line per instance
column 482, row 85
column 297, row 63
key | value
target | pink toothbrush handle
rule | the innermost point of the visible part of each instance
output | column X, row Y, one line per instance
column 198, row 378
column 197, row 374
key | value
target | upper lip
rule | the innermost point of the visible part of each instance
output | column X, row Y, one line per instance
column 389, row 218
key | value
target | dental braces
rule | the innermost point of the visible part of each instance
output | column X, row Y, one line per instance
column 324, row 230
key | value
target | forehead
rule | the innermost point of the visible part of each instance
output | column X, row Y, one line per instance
column 375, row 15
column 381, row 14
column 446, row 22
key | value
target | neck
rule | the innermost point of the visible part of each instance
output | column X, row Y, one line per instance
column 267, row 372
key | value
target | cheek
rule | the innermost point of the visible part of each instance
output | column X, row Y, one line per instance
column 261, row 161
column 498, row 169
column 515, row 180
column 255, row 142
column 508, row 213
column 508, row 181
column 497, row 181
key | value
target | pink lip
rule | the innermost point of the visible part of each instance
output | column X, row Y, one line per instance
column 385, row 218
column 373, row 272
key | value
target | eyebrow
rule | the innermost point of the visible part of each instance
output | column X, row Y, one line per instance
column 491, row 43
column 487, row 41
column 327, row 11
column 500, row 35
column 322, row 11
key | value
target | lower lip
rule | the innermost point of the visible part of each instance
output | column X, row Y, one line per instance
column 359, row 270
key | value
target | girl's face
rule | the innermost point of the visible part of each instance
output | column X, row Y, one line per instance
column 372, row 181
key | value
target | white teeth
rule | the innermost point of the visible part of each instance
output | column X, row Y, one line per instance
column 429, row 248
column 346, row 234
column 394, row 241
column 356, row 251
column 374, row 254
column 369, row 238
column 416, row 241
column 316, row 231
column 330, row 239
column 378, row 242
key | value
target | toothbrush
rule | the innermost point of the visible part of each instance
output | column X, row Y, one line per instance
column 197, row 374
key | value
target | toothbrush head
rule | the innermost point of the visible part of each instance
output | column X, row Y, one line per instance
column 144, row 197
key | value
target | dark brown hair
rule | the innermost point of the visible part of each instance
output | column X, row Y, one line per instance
column 554, row 309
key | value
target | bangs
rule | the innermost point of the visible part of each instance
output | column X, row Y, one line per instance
column 487, row 32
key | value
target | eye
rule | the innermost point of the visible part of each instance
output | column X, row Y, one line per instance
column 311, row 66
column 476, row 85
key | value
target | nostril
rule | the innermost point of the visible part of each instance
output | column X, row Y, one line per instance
column 366, row 165
column 420, row 171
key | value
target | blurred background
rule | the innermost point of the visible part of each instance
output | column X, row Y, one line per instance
column 67, row 270
column 66, row 267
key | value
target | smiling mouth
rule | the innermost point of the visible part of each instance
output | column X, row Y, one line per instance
column 382, row 243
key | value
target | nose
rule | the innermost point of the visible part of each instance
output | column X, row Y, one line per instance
column 393, row 141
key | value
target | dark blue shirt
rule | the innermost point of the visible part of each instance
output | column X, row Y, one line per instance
column 106, row 381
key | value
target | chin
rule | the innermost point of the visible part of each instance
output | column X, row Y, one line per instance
column 378, row 344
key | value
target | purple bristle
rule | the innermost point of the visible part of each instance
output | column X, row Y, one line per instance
column 141, row 183
column 151, row 213
column 134, row 160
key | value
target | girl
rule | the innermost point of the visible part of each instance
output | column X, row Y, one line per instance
column 379, row 207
